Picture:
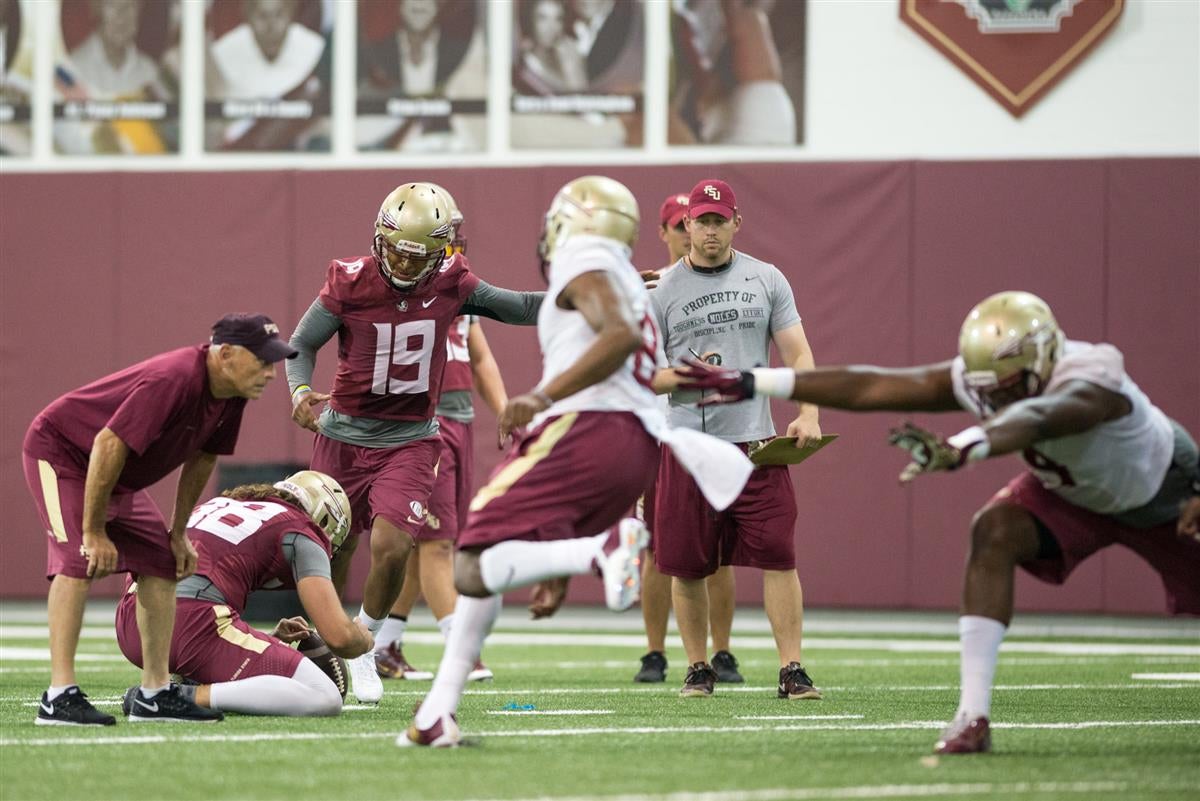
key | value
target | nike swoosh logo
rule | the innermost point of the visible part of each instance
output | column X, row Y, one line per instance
column 152, row 707
column 425, row 304
column 47, row 708
column 750, row 277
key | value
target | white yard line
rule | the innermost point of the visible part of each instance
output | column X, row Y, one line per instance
column 923, row 725
column 1166, row 676
column 1025, row 789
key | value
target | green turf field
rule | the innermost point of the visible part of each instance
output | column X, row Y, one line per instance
column 1083, row 709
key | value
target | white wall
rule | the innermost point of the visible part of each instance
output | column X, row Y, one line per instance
column 876, row 90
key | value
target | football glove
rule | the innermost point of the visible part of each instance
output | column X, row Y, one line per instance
column 930, row 453
column 718, row 385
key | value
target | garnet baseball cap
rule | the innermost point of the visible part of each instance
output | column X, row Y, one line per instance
column 674, row 209
column 711, row 196
column 254, row 332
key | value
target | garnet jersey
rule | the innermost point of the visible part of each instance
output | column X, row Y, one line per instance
column 458, row 376
column 391, row 345
column 161, row 408
column 1114, row 467
column 240, row 544
column 565, row 335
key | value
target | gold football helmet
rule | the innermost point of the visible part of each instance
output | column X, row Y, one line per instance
column 594, row 205
column 323, row 499
column 1009, row 344
column 412, row 231
column 459, row 243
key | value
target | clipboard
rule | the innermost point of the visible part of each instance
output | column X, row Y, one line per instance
column 783, row 450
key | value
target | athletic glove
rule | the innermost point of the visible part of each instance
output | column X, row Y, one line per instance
column 718, row 385
column 930, row 453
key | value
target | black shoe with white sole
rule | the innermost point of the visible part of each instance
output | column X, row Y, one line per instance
column 172, row 705
column 71, row 708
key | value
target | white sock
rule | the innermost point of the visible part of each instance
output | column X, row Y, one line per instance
column 392, row 631
column 445, row 623
column 473, row 622
column 53, row 692
column 310, row 692
column 517, row 563
column 150, row 692
column 373, row 624
column 979, row 638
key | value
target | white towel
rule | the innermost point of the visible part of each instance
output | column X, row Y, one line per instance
column 720, row 468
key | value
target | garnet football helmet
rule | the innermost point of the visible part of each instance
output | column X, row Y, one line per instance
column 594, row 205
column 412, row 231
column 459, row 243
column 1009, row 343
column 323, row 499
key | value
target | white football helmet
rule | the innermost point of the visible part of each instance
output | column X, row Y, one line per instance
column 1009, row 343
column 324, row 500
column 592, row 204
column 412, row 231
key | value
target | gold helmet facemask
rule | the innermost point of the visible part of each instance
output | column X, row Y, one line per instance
column 459, row 243
column 593, row 205
column 412, row 231
column 1009, row 344
column 324, row 500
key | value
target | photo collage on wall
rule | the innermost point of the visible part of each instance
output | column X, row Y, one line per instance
column 734, row 71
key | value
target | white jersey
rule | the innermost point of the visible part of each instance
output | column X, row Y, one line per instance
column 720, row 469
column 1116, row 466
column 564, row 334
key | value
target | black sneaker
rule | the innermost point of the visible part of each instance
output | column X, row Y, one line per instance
column 794, row 683
column 71, row 708
column 699, row 682
column 726, row 666
column 172, row 705
column 654, row 668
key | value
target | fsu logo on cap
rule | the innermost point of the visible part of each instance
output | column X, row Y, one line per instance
column 712, row 192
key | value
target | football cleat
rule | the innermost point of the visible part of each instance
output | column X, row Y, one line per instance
column 621, row 564
column 390, row 663
column 443, row 733
column 654, row 668
column 794, row 684
column 725, row 665
column 364, row 679
column 699, row 681
column 965, row 736
column 480, row 672
column 71, row 708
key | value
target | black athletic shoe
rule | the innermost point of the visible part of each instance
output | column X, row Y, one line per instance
column 654, row 668
column 726, row 666
column 71, row 708
column 794, row 683
column 172, row 705
column 699, row 682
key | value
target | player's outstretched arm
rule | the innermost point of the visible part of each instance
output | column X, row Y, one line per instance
column 510, row 306
column 859, row 388
column 345, row 637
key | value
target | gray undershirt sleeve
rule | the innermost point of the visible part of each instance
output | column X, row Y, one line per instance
column 316, row 327
column 305, row 556
column 506, row 305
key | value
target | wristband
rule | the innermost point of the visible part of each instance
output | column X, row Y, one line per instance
column 775, row 382
column 972, row 443
column 541, row 395
column 299, row 389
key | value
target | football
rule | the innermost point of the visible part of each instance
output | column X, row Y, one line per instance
column 330, row 663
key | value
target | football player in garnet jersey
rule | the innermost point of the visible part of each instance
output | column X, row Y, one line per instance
column 553, row 507
column 1105, row 466
column 254, row 537
column 378, row 436
column 469, row 365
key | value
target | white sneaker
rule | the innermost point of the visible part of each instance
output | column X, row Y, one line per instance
column 364, row 678
column 621, row 568
column 443, row 733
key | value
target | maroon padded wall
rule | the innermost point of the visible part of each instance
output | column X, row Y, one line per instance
column 99, row 270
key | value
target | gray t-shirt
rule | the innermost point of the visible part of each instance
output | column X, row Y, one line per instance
column 734, row 312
